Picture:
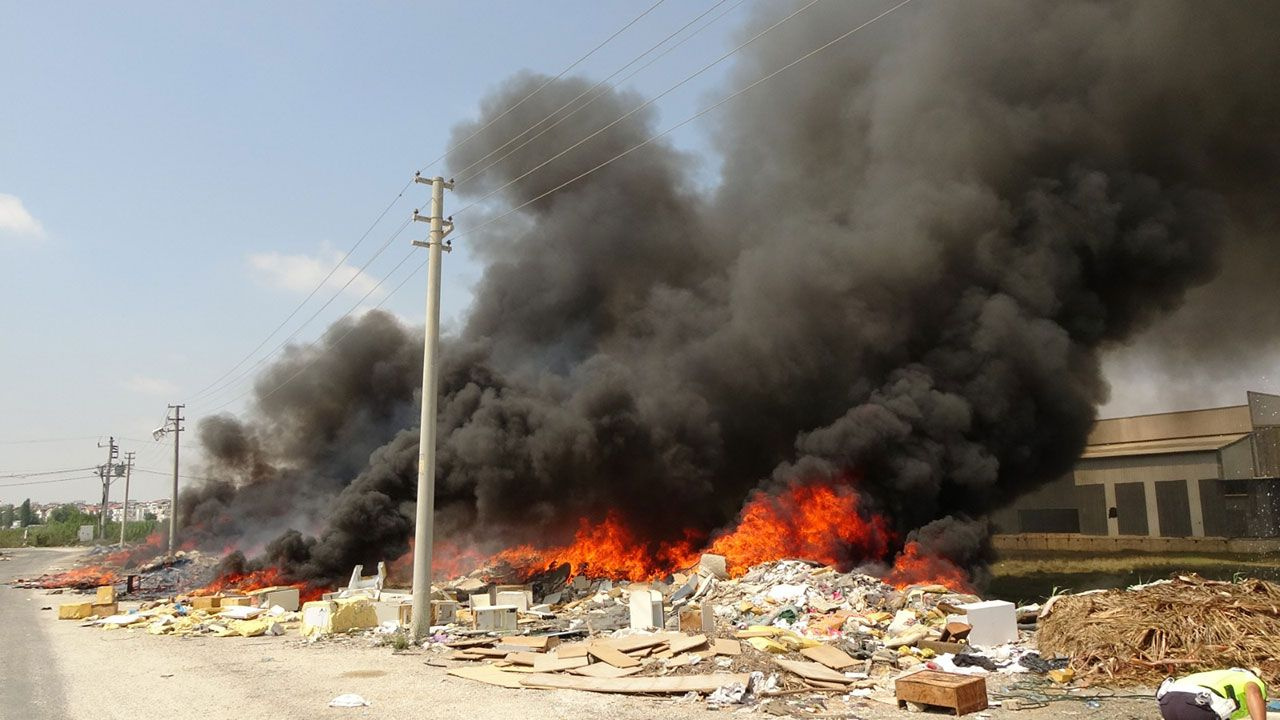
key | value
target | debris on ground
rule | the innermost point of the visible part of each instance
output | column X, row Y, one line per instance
column 349, row 700
column 1169, row 627
column 779, row 633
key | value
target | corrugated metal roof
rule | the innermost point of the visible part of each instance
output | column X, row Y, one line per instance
column 1157, row 447
column 1167, row 426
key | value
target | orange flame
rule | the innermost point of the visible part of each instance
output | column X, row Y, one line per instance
column 911, row 567
column 239, row 583
column 815, row 522
column 820, row 521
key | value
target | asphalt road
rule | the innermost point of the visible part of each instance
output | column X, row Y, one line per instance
column 31, row 685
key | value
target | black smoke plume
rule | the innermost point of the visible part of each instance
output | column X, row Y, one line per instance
column 920, row 244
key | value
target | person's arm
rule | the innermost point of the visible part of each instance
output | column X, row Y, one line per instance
column 1255, row 702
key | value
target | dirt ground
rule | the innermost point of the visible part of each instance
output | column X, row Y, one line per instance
column 109, row 674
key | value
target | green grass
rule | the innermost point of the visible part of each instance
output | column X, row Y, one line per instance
column 66, row 534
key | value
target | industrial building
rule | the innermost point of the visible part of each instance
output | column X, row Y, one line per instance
column 1197, row 473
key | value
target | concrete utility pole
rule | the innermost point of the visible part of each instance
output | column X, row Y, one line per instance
column 106, row 474
column 128, row 473
column 424, row 526
column 174, row 425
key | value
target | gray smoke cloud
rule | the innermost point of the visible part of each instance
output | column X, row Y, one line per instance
column 922, row 242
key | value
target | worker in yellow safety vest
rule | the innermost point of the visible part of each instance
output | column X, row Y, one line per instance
column 1232, row 694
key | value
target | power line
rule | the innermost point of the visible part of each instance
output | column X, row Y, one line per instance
column 49, row 440
column 680, row 124
column 313, row 292
column 462, row 174
column 539, row 89
column 262, row 360
column 637, row 108
column 46, row 472
column 207, row 388
column 307, row 365
column 169, row 474
column 46, row 482
column 620, row 155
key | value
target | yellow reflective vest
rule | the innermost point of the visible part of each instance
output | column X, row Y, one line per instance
column 1229, row 684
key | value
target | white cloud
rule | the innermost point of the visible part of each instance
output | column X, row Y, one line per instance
column 15, row 220
column 150, row 386
column 301, row 273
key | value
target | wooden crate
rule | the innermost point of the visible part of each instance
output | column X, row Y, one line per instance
column 962, row 693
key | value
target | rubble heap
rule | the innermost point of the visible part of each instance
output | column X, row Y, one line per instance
column 785, row 626
column 1169, row 627
column 161, row 576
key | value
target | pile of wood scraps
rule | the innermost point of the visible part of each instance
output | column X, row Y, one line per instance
column 659, row 662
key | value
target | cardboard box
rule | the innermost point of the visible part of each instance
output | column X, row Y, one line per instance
column 106, row 594
column 106, row 609
column 236, row 600
column 74, row 611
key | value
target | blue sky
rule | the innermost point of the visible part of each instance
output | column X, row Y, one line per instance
column 175, row 177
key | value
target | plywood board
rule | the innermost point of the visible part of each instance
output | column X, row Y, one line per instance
column 725, row 646
column 679, row 684
column 488, row 674
column 571, row 650
column 812, row 671
column 523, row 658
column 684, row 644
column 532, row 642
column 604, row 670
column 604, row 653
column 641, row 642
column 474, row 642
column 834, row 658
column 546, row 663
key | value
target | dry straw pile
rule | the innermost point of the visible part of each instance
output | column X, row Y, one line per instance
column 1167, row 628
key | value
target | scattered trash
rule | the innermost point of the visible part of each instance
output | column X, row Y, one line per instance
column 349, row 700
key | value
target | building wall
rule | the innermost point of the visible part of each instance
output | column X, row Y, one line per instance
column 1052, row 507
column 1237, row 460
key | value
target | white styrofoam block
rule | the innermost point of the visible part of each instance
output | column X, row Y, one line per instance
column 646, row 609
column 288, row 599
column 994, row 622
column 499, row 618
column 519, row 598
column 480, row 601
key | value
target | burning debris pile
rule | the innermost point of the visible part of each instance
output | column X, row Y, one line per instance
column 144, row 569
column 823, row 629
column 950, row 247
column 1168, row 627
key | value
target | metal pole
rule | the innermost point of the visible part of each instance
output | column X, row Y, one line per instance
column 124, row 514
column 424, row 525
column 173, row 505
